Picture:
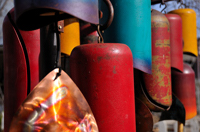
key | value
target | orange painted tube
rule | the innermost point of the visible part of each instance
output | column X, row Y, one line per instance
column 189, row 28
column 71, row 36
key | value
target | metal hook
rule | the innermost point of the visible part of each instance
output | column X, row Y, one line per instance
column 110, row 17
column 100, row 28
column 100, row 38
column 181, row 4
column 163, row 3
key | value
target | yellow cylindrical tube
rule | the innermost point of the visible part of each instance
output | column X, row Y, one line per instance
column 189, row 28
column 71, row 36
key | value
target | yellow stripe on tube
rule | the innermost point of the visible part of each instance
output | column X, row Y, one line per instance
column 189, row 28
column 71, row 36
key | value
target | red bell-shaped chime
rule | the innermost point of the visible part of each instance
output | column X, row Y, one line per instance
column 104, row 74
column 183, row 86
column 155, row 89
column 176, row 41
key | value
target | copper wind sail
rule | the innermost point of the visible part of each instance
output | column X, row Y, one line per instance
column 54, row 105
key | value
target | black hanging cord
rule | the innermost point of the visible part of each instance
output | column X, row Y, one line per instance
column 58, row 56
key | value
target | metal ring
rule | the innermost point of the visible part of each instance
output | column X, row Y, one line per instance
column 110, row 17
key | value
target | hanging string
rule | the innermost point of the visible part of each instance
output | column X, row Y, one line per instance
column 58, row 56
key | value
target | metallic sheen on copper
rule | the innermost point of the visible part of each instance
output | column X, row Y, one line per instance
column 54, row 105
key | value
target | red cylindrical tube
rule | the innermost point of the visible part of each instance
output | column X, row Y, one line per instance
column 104, row 74
column 158, row 85
column 88, row 34
column 21, row 65
column 176, row 41
column 183, row 86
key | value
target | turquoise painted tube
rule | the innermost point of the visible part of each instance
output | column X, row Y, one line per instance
column 132, row 26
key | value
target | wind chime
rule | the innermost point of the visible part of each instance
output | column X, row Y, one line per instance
column 132, row 26
column 104, row 74
column 55, row 102
column 183, row 83
column 137, row 70
column 182, row 34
